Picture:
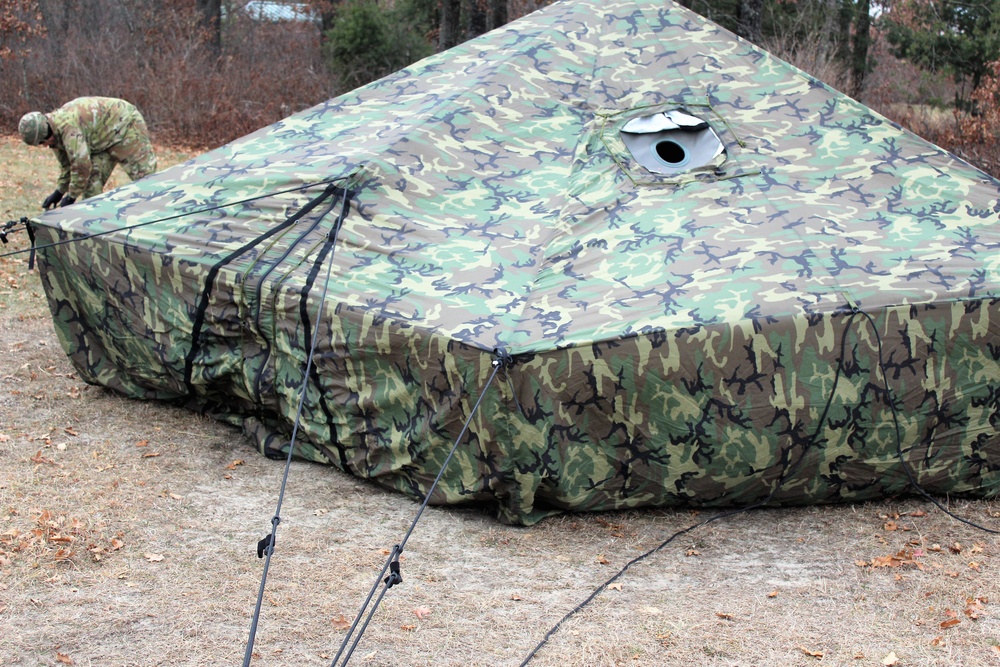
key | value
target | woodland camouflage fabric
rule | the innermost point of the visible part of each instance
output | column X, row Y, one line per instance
column 815, row 318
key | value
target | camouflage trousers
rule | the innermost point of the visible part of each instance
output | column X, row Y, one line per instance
column 133, row 152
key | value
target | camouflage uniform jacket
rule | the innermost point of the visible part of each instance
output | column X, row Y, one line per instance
column 84, row 127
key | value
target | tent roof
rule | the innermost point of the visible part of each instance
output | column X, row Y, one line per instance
column 496, row 203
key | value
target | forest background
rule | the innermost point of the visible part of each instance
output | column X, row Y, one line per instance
column 205, row 72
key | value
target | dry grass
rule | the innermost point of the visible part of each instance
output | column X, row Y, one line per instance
column 128, row 535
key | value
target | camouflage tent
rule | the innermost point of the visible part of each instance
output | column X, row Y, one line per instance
column 697, row 275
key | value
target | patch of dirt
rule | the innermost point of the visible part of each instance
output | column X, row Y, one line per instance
column 128, row 536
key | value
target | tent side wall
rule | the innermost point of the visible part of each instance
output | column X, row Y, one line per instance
column 722, row 415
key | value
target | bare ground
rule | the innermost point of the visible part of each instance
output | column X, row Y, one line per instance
column 128, row 537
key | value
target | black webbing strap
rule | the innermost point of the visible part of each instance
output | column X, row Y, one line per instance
column 199, row 318
column 306, row 327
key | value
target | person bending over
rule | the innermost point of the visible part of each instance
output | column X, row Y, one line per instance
column 90, row 135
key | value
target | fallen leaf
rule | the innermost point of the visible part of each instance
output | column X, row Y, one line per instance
column 142, row 443
column 918, row 513
column 772, row 594
column 890, row 660
column 889, row 525
column 950, row 623
column 150, row 455
column 614, row 587
column 69, row 429
column 937, row 641
column 692, row 552
column 408, row 628
column 422, row 612
column 341, row 623
column 237, row 462
column 515, row 597
column 153, row 558
column 116, row 544
column 63, row 658
column 812, row 654
column 602, row 560
column 38, row 458
column 973, row 608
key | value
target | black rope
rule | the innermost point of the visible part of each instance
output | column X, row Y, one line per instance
column 265, row 547
column 785, row 475
column 899, row 440
column 392, row 562
column 168, row 218
column 854, row 311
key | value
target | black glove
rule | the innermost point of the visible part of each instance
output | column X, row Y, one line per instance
column 52, row 200
column 67, row 200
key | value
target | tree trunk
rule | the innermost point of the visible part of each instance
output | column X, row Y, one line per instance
column 496, row 14
column 859, row 56
column 448, row 35
column 845, row 17
column 750, row 19
column 473, row 21
column 210, row 20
